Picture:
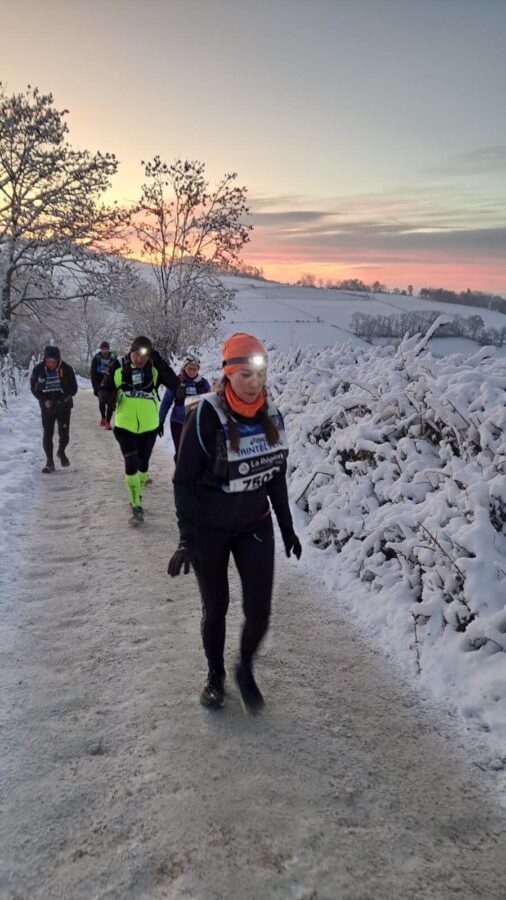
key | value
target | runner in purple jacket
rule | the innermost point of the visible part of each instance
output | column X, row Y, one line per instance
column 191, row 384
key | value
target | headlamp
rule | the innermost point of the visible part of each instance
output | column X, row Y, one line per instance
column 143, row 351
column 256, row 360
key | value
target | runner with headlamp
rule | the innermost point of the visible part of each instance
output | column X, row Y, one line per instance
column 231, row 468
column 133, row 380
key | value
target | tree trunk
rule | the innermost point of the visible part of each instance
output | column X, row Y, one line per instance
column 5, row 320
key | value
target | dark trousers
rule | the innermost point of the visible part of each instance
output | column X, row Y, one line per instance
column 253, row 555
column 136, row 449
column 56, row 413
column 106, row 404
column 176, row 429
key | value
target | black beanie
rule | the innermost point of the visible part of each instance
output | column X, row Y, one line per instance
column 51, row 352
column 105, row 345
column 139, row 342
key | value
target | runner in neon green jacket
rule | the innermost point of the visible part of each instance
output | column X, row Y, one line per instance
column 134, row 379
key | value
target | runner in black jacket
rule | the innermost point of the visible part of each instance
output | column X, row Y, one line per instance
column 231, row 468
column 99, row 366
column 53, row 383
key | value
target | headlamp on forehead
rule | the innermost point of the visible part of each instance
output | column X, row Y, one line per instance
column 143, row 351
column 256, row 360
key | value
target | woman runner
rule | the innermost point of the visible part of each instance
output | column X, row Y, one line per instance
column 231, row 468
column 191, row 384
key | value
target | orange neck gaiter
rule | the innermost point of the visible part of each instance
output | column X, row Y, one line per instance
column 239, row 406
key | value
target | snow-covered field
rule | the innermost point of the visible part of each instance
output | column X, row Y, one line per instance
column 298, row 316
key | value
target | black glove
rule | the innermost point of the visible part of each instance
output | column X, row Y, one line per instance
column 292, row 543
column 160, row 430
column 179, row 559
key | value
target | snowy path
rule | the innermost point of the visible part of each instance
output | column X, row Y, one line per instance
column 117, row 784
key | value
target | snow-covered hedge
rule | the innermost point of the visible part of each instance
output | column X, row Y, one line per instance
column 12, row 380
column 399, row 460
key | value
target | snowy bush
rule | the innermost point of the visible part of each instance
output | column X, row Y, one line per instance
column 399, row 460
column 12, row 380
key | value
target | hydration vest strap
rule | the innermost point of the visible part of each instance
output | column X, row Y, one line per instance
column 199, row 436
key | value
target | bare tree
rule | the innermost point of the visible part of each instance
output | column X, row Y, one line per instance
column 189, row 234
column 83, row 325
column 53, row 228
column 144, row 314
column 307, row 279
column 474, row 324
column 76, row 324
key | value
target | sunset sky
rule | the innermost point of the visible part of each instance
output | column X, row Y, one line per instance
column 371, row 134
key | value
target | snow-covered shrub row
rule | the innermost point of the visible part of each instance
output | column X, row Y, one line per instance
column 399, row 459
column 12, row 380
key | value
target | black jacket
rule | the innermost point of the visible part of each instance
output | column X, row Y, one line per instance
column 201, row 503
column 96, row 375
column 68, row 384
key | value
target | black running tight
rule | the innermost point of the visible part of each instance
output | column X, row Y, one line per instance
column 176, row 430
column 60, row 413
column 253, row 554
column 136, row 449
column 106, row 404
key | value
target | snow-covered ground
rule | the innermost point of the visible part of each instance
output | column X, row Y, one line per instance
column 20, row 453
column 398, row 482
column 117, row 785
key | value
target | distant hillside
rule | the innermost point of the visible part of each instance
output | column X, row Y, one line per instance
column 292, row 316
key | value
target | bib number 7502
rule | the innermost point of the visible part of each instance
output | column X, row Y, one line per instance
column 257, row 481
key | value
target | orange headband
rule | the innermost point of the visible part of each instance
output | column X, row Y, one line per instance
column 239, row 350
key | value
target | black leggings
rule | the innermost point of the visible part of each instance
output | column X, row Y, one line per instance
column 136, row 448
column 58, row 412
column 253, row 553
column 176, row 429
column 106, row 404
